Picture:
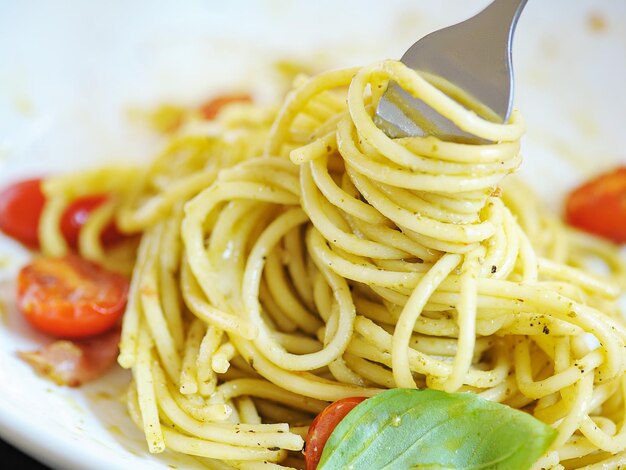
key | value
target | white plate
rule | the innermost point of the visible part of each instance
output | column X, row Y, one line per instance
column 69, row 72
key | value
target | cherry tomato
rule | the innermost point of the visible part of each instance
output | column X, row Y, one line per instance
column 322, row 427
column 20, row 208
column 210, row 109
column 77, row 214
column 599, row 206
column 21, row 205
column 69, row 297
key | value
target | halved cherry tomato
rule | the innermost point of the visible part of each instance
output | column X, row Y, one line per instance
column 20, row 208
column 77, row 214
column 21, row 205
column 322, row 427
column 70, row 297
column 599, row 206
column 210, row 109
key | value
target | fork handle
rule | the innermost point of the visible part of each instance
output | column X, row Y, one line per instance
column 502, row 14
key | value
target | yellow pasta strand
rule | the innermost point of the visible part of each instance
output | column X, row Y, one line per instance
column 288, row 260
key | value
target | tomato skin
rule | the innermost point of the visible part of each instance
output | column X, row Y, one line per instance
column 77, row 213
column 599, row 206
column 210, row 109
column 322, row 427
column 20, row 209
column 70, row 297
column 21, row 205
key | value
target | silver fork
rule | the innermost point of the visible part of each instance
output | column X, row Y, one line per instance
column 474, row 55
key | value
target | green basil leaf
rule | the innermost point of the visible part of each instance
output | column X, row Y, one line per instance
column 428, row 429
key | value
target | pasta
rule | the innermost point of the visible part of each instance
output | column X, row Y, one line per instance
column 290, row 260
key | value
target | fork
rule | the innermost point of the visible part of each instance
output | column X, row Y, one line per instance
column 474, row 55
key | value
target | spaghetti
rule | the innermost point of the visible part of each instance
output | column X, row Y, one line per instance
column 287, row 261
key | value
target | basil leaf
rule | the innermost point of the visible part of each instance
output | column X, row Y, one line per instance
column 428, row 429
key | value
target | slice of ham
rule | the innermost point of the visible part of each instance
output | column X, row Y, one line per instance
column 73, row 363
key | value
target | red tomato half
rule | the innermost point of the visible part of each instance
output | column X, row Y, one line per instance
column 322, row 427
column 77, row 214
column 20, row 208
column 599, row 206
column 21, row 205
column 210, row 109
column 70, row 297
